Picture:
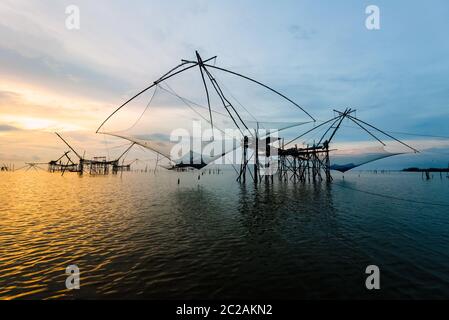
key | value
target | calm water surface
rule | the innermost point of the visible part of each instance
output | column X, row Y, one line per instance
column 143, row 236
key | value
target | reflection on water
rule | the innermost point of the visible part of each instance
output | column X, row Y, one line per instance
column 145, row 236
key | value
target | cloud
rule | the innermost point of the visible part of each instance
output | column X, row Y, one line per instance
column 321, row 56
column 301, row 33
column 62, row 76
column 5, row 127
column 30, row 109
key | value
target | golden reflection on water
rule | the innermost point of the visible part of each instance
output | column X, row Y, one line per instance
column 48, row 222
column 145, row 236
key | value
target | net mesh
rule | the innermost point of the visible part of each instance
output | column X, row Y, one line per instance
column 351, row 145
column 173, row 118
column 344, row 160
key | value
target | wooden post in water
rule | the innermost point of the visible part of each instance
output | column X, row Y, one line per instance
column 267, row 157
column 245, row 157
column 256, row 159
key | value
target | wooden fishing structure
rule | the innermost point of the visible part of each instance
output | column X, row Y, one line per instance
column 96, row 165
column 262, row 155
column 6, row 167
column 123, row 167
column 34, row 166
column 61, row 166
column 211, row 86
column 309, row 163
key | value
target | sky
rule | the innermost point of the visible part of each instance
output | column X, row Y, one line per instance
column 319, row 53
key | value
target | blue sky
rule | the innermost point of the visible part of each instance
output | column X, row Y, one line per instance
column 317, row 52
